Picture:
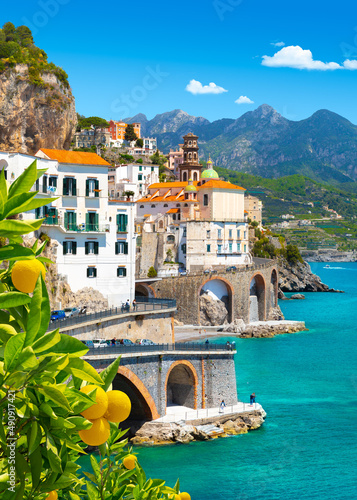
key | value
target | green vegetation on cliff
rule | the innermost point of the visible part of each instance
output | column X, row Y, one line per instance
column 17, row 47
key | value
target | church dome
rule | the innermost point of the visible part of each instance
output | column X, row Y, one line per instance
column 190, row 188
column 209, row 173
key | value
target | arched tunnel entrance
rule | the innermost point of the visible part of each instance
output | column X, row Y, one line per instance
column 181, row 385
column 257, row 299
column 216, row 302
column 143, row 407
column 144, row 290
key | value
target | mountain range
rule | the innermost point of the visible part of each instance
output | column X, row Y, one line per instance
column 263, row 142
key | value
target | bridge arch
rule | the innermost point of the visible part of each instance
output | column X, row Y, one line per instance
column 274, row 288
column 144, row 290
column 181, row 384
column 219, row 288
column 257, row 308
column 143, row 406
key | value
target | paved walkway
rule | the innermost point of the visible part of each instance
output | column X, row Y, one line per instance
column 177, row 413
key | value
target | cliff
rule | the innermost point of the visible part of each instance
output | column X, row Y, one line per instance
column 299, row 278
column 35, row 116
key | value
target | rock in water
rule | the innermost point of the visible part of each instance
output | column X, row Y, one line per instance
column 35, row 116
column 298, row 296
column 299, row 278
column 212, row 312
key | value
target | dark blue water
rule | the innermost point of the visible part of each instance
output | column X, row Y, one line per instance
column 307, row 383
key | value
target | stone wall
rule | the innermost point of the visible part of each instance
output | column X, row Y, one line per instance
column 186, row 290
column 214, row 376
column 157, row 327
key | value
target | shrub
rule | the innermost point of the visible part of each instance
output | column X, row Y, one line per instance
column 152, row 273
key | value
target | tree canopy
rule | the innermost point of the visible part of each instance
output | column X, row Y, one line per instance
column 94, row 121
column 130, row 134
column 17, row 47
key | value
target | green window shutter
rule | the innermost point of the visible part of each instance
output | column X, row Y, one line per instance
column 97, row 221
column 125, row 222
column 96, row 186
column 66, row 220
column 87, row 187
column 124, row 271
column 94, row 272
column 37, row 213
column 88, row 272
column 125, row 247
column 118, row 222
column 65, row 247
column 117, row 247
column 74, row 220
column 74, row 187
column 74, row 247
column 87, row 220
column 96, row 247
column 86, row 247
column 65, row 186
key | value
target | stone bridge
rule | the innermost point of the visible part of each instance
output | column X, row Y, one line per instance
column 249, row 292
column 154, row 377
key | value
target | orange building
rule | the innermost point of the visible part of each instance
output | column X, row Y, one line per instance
column 117, row 130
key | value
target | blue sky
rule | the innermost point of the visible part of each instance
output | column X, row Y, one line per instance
column 123, row 58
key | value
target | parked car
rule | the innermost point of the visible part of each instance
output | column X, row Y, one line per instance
column 88, row 343
column 144, row 342
column 231, row 268
column 100, row 343
column 70, row 312
column 56, row 315
column 183, row 272
column 125, row 342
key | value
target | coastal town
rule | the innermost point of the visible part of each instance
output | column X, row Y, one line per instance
column 157, row 287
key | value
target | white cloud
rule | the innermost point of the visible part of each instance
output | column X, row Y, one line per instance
column 350, row 64
column 278, row 44
column 243, row 99
column 196, row 87
column 296, row 57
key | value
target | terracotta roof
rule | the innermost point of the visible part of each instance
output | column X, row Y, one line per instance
column 76, row 157
column 158, row 199
column 173, row 211
column 216, row 183
column 169, row 185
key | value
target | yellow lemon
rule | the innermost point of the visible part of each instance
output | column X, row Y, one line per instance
column 119, row 406
column 98, row 409
column 129, row 462
column 53, row 495
column 97, row 434
column 25, row 273
column 184, row 496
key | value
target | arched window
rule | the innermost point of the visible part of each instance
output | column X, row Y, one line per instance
column 152, row 206
column 195, row 155
column 170, row 238
column 161, row 224
column 185, row 157
column 184, row 177
column 205, row 200
column 166, row 205
column 186, row 196
column 195, row 176
column 177, row 205
column 189, row 156
column 141, row 206
column 186, row 204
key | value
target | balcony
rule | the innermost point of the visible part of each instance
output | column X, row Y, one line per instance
column 74, row 227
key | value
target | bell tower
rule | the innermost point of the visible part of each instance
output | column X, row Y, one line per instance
column 191, row 167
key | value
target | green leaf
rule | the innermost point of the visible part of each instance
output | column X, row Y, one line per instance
column 15, row 252
column 68, row 345
column 27, row 359
column 57, row 364
column 109, row 373
column 26, row 206
column 79, row 422
column 3, row 190
column 92, row 492
column 46, row 342
column 55, row 395
column 45, row 260
column 96, row 468
column 83, row 370
column 36, row 466
column 13, row 299
column 13, row 349
column 52, row 454
column 15, row 204
column 16, row 379
column 25, row 181
column 35, row 436
column 19, row 227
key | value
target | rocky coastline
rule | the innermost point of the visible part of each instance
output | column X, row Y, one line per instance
column 299, row 278
column 163, row 433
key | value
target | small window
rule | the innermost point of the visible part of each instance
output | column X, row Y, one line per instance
column 141, row 206
column 165, row 206
column 140, row 177
column 245, row 248
column 238, row 234
column 91, row 247
column 183, row 248
column 121, row 247
column 219, row 248
column 245, row 235
column 219, row 236
column 69, row 248
column 152, row 206
column 140, row 168
column 208, row 248
column 91, row 272
column 184, row 232
column 170, row 238
column 208, row 234
column 230, row 233
column 178, row 205
column 205, row 200
column 121, row 272
column 230, row 247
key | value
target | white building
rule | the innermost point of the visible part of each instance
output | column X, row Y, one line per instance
column 96, row 239
column 133, row 177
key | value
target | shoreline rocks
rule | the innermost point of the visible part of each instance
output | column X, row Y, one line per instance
column 161, row 433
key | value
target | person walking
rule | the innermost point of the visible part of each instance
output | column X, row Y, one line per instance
column 127, row 305
column 113, row 341
column 252, row 399
column 222, row 406
column 134, row 305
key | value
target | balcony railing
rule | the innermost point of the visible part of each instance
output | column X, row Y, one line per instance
column 78, row 228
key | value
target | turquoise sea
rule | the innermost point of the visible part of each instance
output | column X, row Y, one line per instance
column 307, row 383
